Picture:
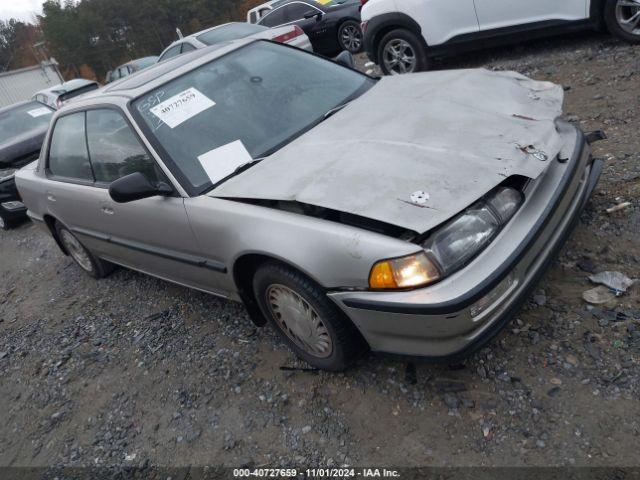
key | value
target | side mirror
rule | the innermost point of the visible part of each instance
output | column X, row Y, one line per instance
column 312, row 14
column 345, row 59
column 135, row 186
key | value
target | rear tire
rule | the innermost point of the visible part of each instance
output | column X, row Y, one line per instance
column 402, row 51
column 350, row 36
column 313, row 327
column 623, row 19
column 87, row 261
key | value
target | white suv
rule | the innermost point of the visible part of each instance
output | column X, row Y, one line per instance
column 402, row 35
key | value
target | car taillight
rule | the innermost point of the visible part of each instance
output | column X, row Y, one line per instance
column 362, row 2
column 286, row 37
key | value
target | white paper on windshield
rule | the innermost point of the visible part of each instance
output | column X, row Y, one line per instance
column 38, row 112
column 181, row 107
column 221, row 162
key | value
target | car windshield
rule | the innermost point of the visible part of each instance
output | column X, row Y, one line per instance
column 21, row 120
column 226, row 33
column 244, row 105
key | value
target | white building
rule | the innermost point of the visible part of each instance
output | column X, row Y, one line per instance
column 21, row 84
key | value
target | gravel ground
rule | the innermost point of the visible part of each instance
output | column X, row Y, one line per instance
column 135, row 371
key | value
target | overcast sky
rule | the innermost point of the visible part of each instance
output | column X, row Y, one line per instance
column 21, row 9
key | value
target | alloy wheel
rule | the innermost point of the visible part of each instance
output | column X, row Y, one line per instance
column 351, row 38
column 299, row 321
column 76, row 250
column 628, row 16
column 399, row 57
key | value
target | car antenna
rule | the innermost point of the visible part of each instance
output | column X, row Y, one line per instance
column 180, row 36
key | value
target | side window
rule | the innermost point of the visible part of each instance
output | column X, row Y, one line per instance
column 68, row 151
column 124, row 71
column 187, row 47
column 275, row 18
column 297, row 11
column 172, row 52
column 114, row 149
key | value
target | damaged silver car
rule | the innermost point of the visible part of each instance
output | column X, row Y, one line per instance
column 409, row 215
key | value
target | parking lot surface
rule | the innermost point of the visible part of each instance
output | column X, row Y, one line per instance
column 136, row 371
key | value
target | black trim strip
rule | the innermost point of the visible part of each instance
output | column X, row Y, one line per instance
column 508, row 35
column 498, row 275
column 158, row 252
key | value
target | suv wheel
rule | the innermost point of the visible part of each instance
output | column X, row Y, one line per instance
column 350, row 36
column 91, row 264
column 623, row 19
column 311, row 324
column 401, row 51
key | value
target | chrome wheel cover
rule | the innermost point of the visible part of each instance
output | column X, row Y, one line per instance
column 76, row 250
column 351, row 38
column 628, row 16
column 398, row 57
column 299, row 321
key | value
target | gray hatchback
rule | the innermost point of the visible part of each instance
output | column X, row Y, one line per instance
column 409, row 215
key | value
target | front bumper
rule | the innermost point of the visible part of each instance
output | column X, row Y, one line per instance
column 457, row 316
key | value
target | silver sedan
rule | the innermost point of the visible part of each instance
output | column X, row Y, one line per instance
column 408, row 215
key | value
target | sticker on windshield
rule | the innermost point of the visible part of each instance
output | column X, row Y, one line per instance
column 38, row 112
column 181, row 107
column 221, row 162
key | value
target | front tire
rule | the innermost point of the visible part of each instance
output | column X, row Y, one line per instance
column 309, row 323
column 623, row 19
column 401, row 51
column 92, row 265
column 350, row 36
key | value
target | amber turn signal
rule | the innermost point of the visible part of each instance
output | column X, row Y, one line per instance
column 406, row 272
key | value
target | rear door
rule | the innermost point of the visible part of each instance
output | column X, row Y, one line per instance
column 494, row 14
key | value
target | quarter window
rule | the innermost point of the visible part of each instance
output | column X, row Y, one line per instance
column 114, row 149
column 187, row 47
column 172, row 52
column 68, row 155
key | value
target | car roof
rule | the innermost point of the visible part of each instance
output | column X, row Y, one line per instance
column 150, row 78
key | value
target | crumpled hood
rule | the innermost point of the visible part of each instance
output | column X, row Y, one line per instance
column 453, row 134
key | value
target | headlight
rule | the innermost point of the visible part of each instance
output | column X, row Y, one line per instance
column 459, row 241
column 406, row 272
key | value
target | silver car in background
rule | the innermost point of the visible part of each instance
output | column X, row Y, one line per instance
column 418, row 230
column 289, row 34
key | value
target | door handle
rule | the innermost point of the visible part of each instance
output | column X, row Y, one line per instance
column 51, row 198
column 107, row 210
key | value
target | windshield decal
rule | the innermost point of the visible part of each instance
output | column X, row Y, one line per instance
column 181, row 107
column 221, row 162
column 39, row 112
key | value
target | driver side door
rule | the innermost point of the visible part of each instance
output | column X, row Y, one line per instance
column 152, row 235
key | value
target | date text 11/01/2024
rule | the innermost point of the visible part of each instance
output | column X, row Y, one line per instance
column 316, row 473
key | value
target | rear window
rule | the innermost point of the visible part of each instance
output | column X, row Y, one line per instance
column 19, row 121
column 230, row 32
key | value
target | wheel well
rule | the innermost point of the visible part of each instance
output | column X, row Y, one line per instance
column 243, row 270
column 597, row 12
column 50, row 222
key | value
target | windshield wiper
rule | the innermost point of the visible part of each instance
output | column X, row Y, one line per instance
column 239, row 169
column 335, row 110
